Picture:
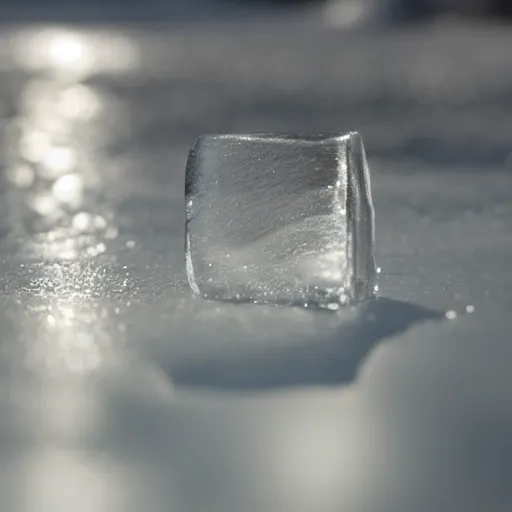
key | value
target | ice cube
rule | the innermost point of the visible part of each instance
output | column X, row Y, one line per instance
column 280, row 219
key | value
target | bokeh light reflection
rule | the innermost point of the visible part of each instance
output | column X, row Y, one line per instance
column 68, row 189
column 58, row 160
column 56, row 140
column 74, row 330
column 74, row 55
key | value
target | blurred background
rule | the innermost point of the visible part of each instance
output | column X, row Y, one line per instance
column 393, row 9
column 120, row 392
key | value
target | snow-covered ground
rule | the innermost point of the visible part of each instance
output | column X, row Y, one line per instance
column 120, row 392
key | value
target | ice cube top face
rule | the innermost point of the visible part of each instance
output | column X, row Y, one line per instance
column 280, row 219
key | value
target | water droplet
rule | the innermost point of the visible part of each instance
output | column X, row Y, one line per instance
column 59, row 160
column 379, row 270
column 79, row 102
column 82, row 221
column 99, row 223
column 130, row 244
column 44, row 204
column 33, row 145
column 111, row 233
column 22, row 176
column 470, row 308
column 451, row 315
column 68, row 189
column 96, row 250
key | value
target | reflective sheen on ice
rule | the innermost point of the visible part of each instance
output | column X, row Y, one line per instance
column 280, row 219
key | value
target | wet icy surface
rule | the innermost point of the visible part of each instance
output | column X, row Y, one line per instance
column 121, row 392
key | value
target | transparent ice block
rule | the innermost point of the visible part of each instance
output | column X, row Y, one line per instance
column 280, row 219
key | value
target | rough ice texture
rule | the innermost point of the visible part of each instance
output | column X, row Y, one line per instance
column 280, row 219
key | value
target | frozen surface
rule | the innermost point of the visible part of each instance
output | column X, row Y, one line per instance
column 120, row 391
column 280, row 219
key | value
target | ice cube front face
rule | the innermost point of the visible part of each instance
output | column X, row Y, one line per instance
column 280, row 219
